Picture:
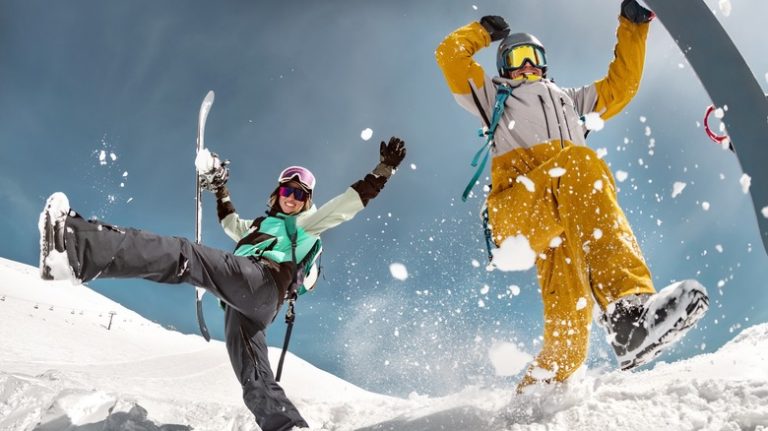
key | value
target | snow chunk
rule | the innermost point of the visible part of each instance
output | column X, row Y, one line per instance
column 485, row 289
column 398, row 271
column 719, row 248
column 621, row 176
column 413, row 166
column 507, row 359
column 602, row 152
column 205, row 162
column 764, row 211
column 475, row 263
column 514, row 290
column 474, row 7
column 529, row 185
column 102, row 157
column 592, row 121
column 555, row 242
column 705, row 205
column 597, row 233
column 84, row 408
column 678, row 188
column 366, row 134
column 556, row 172
column 598, row 185
column 725, row 7
column 511, row 125
column 515, row 254
column 581, row 303
column 746, row 182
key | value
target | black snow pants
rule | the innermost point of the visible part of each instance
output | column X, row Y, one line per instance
column 95, row 249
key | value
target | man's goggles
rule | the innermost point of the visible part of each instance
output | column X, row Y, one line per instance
column 298, row 194
column 517, row 56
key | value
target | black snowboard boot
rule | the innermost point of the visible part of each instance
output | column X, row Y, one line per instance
column 640, row 327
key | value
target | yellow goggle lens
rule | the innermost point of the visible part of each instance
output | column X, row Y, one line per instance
column 517, row 56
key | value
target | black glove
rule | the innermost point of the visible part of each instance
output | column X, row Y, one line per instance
column 217, row 177
column 631, row 10
column 390, row 156
column 495, row 26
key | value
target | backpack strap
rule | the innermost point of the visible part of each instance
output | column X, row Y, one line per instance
column 481, row 156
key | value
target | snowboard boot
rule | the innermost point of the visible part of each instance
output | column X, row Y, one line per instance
column 54, row 264
column 640, row 327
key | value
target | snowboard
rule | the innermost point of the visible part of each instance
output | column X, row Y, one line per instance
column 729, row 82
column 205, row 108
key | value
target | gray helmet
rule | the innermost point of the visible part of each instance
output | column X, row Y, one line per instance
column 518, row 39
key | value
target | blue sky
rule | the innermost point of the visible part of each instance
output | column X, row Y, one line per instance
column 296, row 84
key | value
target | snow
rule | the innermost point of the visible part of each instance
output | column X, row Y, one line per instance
column 621, row 176
column 678, row 188
column 514, row 254
column 592, row 121
column 205, row 161
column 705, row 206
column 602, row 152
column 556, row 172
column 764, row 211
column 511, row 125
column 507, row 359
column 597, row 233
column 581, row 303
column 398, row 271
column 725, row 7
column 529, row 185
column 555, row 242
column 60, row 368
column 746, row 183
column 366, row 134
column 598, row 185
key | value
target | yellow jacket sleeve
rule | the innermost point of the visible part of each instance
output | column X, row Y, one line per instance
column 616, row 90
column 454, row 57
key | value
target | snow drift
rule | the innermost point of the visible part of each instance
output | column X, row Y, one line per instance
column 75, row 360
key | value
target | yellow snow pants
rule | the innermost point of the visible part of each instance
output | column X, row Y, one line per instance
column 563, row 199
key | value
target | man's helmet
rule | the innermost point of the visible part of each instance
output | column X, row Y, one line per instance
column 517, row 49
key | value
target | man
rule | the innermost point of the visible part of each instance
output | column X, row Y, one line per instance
column 552, row 189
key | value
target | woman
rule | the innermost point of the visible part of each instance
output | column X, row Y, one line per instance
column 272, row 256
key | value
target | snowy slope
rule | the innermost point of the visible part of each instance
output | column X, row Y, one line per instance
column 60, row 369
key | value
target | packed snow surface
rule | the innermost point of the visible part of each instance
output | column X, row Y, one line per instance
column 73, row 359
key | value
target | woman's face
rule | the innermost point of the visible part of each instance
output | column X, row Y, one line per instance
column 289, row 204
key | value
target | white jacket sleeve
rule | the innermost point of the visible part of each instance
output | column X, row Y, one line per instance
column 235, row 227
column 334, row 212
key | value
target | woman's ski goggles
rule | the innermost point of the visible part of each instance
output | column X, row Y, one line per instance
column 517, row 56
column 300, row 174
column 298, row 194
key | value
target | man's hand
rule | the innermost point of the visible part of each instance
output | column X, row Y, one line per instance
column 631, row 10
column 495, row 26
